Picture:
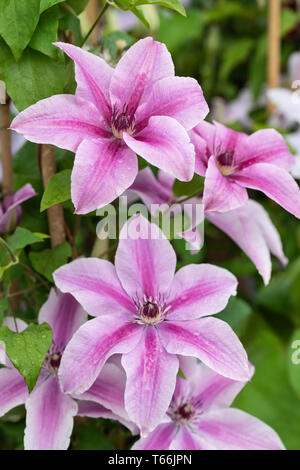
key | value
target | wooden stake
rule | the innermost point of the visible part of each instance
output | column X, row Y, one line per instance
column 5, row 139
column 92, row 11
column 55, row 213
column 273, row 46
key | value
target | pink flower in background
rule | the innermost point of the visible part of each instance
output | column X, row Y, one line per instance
column 232, row 161
column 149, row 315
column 10, row 209
column 139, row 107
column 249, row 225
column 199, row 417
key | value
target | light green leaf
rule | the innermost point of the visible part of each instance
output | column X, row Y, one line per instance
column 47, row 261
column 46, row 33
column 58, row 189
column 18, row 20
column 23, row 237
column 172, row 4
column 27, row 350
column 33, row 78
column 45, row 4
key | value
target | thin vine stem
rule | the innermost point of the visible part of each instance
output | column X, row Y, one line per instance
column 95, row 23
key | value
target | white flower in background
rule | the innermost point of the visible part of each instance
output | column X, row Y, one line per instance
column 236, row 110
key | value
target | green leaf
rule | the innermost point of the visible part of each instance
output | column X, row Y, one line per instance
column 46, row 33
column 47, row 261
column 4, row 306
column 180, row 188
column 268, row 395
column 27, row 350
column 78, row 5
column 237, row 314
column 45, row 4
column 235, row 54
column 175, row 30
column 23, row 237
column 110, row 42
column 18, row 20
column 294, row 362
column 172, row 4
column 33, row 78
column 58, row 189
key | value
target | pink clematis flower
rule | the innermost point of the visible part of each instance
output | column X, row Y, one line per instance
column 232, row 161
column 149, row 316
column 139, row 107
column 249, row 225
column 199, row 417
column 10, row 209
column 50, row 412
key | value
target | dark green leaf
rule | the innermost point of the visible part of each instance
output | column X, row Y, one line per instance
column 27, row 350
column 33, row 78
column 78, row 5
column 172, row 4
column 58, row 189
column 18, row 20
column 47, row 261
column 180, row 188
column 46, row 33
column 45, row 4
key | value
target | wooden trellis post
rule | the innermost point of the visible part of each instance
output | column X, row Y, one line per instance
column 273, row 46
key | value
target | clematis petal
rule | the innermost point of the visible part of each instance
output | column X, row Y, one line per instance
column 159, row 439
column 268, row 229
column 212, row 341
column 103, row 170
column 62, row 120
column 151, row 378
column 49, row 420
column 232, row 429
column 178, row 97
column 149, row 189
column 222, row 193
column 93, row 76
column 264, row 146
column 95, row 285
column 11, row 216
column 207, row 132
column 209, row 389
column 91, row 346
column 13, row 388
column 241, row 225
column 145, row 265
column 200, row 290
column 186, row 439
column 64, row 314
column 202, row 152
column 108, row 389
column 275, row 182
column 227, row 140
column 140, row 67
column 94, row 410
column 165, row 144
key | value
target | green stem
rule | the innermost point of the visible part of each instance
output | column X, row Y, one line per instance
column 95, row 23
column 14, row 259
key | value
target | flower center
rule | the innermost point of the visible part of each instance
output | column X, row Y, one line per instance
column 184, row 413
column 224, row 163
column 151, row 311
column 53, row 359
column 122, row 121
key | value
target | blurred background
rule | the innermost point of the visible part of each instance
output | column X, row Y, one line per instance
column 228, row 47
